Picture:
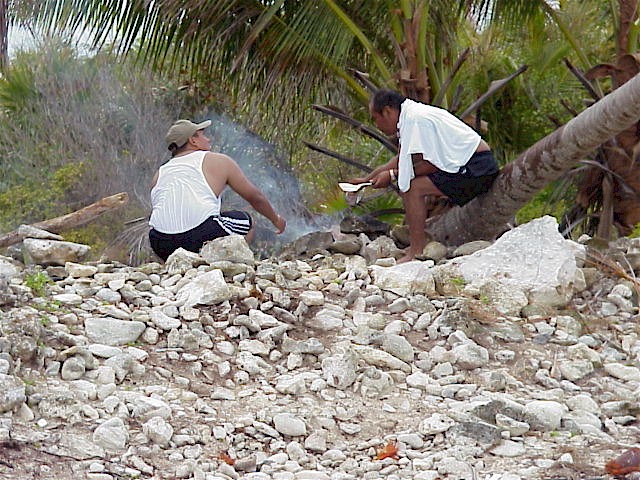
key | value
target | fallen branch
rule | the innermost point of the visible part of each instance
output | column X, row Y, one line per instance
column 73, row 219
column 342, row 158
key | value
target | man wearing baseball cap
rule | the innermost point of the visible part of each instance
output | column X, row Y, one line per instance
column 185, row 194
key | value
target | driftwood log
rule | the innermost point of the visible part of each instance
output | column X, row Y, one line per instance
column 73, row 219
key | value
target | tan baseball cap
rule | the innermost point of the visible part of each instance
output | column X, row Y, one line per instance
column 181, row 131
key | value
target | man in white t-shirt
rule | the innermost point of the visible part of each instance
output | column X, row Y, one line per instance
column 185, row 194
column 440, row 156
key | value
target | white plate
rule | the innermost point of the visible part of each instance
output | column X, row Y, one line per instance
column 351, row 187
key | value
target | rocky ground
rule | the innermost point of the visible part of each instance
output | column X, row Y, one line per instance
column 518, row 361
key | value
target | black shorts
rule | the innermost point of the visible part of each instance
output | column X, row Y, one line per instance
column 471, row 180
column 234, row 222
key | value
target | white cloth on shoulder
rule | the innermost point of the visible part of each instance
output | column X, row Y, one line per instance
column 442, row 138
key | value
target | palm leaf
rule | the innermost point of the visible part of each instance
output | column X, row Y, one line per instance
column 493, row 88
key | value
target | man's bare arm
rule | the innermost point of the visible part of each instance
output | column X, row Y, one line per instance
column 154, row 180
column 393, row 163
column 252, row 194
column 375, row 176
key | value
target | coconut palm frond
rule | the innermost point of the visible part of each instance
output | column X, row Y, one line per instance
column 493, row 88
column 338, row 156
column 365, row 129
column 621, row 183
column 586, row 83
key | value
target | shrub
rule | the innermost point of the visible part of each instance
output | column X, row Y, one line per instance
column 39, row 199
column 37, row 282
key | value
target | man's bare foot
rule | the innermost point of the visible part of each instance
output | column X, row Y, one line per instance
column 409, row 257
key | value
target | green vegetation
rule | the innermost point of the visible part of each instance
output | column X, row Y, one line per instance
column 44, row 320
column 50, row 306
column 37, row 282
column 550, row 201
column 76, row 128
column 36, row 198
column 458, row 283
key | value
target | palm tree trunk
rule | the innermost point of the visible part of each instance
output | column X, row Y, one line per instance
column 628, row 13
column 487, row 216
column 4, row 35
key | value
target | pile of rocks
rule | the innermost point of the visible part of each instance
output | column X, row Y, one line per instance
column 512, row 360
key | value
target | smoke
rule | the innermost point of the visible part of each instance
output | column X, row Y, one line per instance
column 111, row 122
column 270, row 172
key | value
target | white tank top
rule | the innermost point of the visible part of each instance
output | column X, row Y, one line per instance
column 181, row 198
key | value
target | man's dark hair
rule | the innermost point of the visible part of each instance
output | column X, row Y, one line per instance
column 175, row 149
column 386, row 98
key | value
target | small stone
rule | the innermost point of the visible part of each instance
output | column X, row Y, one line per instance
column 288, row 424
column 508, row 448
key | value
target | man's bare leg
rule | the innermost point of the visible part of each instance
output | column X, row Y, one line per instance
column 250, row 235
column 416, row 214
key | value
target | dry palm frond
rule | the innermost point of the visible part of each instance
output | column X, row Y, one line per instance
column 612, row 267
column 132, row 244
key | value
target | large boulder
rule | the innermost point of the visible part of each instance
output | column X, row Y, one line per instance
column 533, row 258
column 232, row 248
column 53, row 252
column 207, row 288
